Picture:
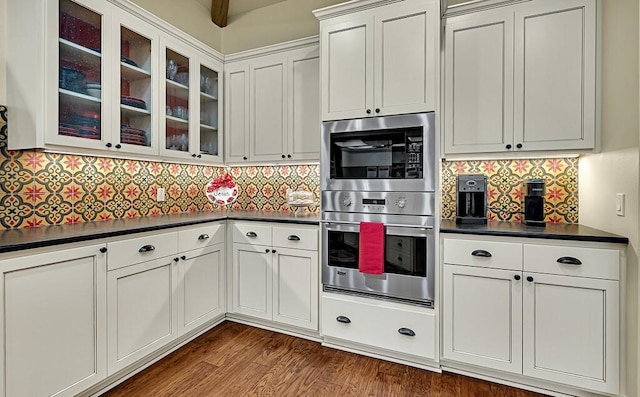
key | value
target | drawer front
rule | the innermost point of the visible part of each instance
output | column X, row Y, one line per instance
column 594, row 262
column 141, row 249
column 476, row 253
column 251, row 233
column 291, row 237
column 201, row 237
column 378, row 324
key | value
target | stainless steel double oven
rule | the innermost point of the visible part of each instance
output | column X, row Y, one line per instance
column 380, row 169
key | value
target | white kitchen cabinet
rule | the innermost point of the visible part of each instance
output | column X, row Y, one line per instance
column 521, row 77
column 272, row 107
column 488, row 331
column 552, row 313
column 54, row 337
column 370, row 68
column 275, row 278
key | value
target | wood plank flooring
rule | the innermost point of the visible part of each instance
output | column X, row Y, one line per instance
column 237, row 360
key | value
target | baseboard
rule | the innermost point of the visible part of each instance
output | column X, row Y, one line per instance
column 304, row 334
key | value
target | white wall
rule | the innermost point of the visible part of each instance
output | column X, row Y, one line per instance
column 3, row 41
column 288, row 20
column 615, row 169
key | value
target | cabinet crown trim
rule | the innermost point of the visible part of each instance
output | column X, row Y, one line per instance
column 273, row 49
column 477, row 5
column 350, row 7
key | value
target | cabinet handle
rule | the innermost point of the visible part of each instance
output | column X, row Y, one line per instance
column 529, row 279
column 368, row 111
column 252, row 234
column 274, row 251
column 288, row 155
column 193, row 155
column 267, row 250
column 519, row 146
column 244, row 158
column 293, row 237
column 199, row 156
column 203, row 237
column 377, row 110
column 176, row 259
column 343, row 319
column 516, row 277
column 508, row 146
column 103, row 249
column 569, row 260
column 147, row 248
column 406, row 331
column 183, row 257
column 108, row 144
column 482, row 253
column 118, row 146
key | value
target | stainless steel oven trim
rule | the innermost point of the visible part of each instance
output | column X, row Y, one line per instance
column 392, row 285
column 424, row 120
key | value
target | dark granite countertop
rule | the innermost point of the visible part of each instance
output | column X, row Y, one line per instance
column 22, row 239
column 557, row 231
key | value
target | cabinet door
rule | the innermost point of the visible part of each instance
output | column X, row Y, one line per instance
column 405, row 59
column 487, row 331
column 236, row 101
column 347, row 69
column 555, row 75
column 304, row 104
column 571, row 331
column 136, row 82
column 141, row 304
column 295, row 287
column 208, row 140
column 54, row 328
column 82, row 120
column 252, row 280
column 478, row 82
column 200, row 287
column 268, row 109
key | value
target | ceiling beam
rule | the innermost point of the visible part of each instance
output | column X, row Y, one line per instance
column 219, row 11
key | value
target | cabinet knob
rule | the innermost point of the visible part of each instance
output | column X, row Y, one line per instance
column 288, row 155
column 199, row 156
column 481, row 253
column 406, row 331
column 103, row 249
column 516, row 277
column 244, row 158
column 118, row 146
column 267, row 250
column 343, row 319
column 193, row 155
column 399, row 259
column 147, row 248
column 377, row 110
column 108, row 144
column 519, row 146
column 283, row 156
column 176, row 259
column 529, row 278
column 183, row 257
column 400, row 245
column 274, row 251
column 508, row 146
column 368, row 111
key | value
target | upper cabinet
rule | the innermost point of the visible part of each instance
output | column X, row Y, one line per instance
column 378, row 61
column 95, row 82
column 521, row 78
column 272, row 106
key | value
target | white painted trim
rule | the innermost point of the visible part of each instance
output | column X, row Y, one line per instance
column 279, row 328
column 477, row 5
column 349, row 7
column 272, row 49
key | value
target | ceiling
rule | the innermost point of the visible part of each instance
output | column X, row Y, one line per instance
column 237, row 7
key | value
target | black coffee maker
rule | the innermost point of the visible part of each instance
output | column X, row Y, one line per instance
column 471, row 204
column 534, row 190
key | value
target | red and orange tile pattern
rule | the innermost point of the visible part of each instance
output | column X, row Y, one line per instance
column 505, row 187
column 38, row 188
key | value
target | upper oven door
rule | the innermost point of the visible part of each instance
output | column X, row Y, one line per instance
column 393, row 153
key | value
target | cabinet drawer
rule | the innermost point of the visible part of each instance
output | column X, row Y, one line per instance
column 378, row 324
column 594, row 262
column 201, row 237
column 468, row 252
column 251, row 233
column 290, row 237
column 141, row 249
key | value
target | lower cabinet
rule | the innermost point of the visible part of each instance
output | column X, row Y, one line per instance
column 553, row 315
column 142, row 307
column 252, row 286
column 54, row 333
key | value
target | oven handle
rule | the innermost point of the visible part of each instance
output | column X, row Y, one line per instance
column 350, row 223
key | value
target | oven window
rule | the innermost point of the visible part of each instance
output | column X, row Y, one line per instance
column 380, row 154
column 403, row 254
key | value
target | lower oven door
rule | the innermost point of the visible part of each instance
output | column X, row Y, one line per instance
column 409, row 264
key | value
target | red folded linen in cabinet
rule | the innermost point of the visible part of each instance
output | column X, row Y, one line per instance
column 371, row 251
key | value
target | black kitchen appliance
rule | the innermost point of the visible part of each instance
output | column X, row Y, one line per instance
column 471, row 204
column 534, row 190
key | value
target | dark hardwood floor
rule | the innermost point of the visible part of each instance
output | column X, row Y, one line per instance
column 237, row 360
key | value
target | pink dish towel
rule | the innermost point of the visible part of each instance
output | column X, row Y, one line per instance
column 371, row 248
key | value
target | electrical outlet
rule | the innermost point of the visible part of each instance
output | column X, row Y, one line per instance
column 160, row 194
column 620, row 204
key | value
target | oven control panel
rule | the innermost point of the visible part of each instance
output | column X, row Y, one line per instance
column 402, row 203
column 374, row 205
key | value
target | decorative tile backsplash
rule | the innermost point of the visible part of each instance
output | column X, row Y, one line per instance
column 505, row 186
column 38, row 188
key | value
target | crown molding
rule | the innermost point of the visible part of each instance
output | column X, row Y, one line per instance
column 272, row 49
column 477, row 5
column 349, row 7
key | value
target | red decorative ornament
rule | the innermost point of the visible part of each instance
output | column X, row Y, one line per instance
column 222, row 190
